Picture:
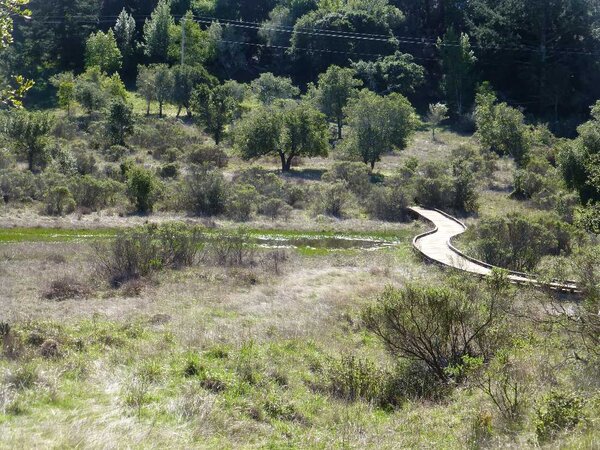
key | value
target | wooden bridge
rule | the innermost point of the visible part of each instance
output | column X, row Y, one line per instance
column 436, row 246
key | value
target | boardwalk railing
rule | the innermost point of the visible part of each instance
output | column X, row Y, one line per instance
column 515, row 277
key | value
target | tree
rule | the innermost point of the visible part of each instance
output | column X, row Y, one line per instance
column 101, row 50
column 204, row 191
column 12, row 96
column 501, row 128
column 580, row 160
column 197, row 48
column 65, row 84
column 156, row 32
column 120, row 122
column 94, row 89
column 379, row 125
column 268, row 88
column 185, row 80
column 458, row 62
column 143, row 188
column 438, row 112
column 124, row 31
column 287, row 130
column 215, row 108
column 125, row 35
column 335, row 88
column 394, row 73
column 146, row 85
column 437, row 325
column 9, row 9
column 163, row 85
column 28, row 131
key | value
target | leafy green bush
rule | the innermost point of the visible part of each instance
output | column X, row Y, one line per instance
column 241, row 202
column 519, row 242
column 19, row 186
column 355, row 174
column 170, row 170
column 59, row 201
column 333, row 199
column 389, row 203
column 204, row 191
column 143, row 189
column 95, row 193
column 211, row 155
column 274, row 208
column 558, row 412
column 438, row 325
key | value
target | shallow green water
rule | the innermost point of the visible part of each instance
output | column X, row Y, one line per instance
column 264, row 238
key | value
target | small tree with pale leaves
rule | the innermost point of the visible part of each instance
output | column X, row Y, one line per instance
column 438, row 112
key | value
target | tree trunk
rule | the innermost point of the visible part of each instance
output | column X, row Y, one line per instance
column 147, row 109
column 160, row 109
column 339, row 126
column 30, row 160
column 372, row 165
column 217, row 137
column 288, row 163
column 178, row 111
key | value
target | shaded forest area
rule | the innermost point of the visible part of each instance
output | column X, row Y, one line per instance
column 542, row 56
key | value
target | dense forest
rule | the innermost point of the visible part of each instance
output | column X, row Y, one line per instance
column 541, row 56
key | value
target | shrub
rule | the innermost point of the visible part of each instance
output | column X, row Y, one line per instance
column 333, row 199
column 143, row 189
column 211, row 155
column 115, row 153
column 168, row 154
column 507, row 381
column 294, row 194
column 85, row 162
column 94, row 193
column 169, row 171
column 352, row 378
column 354, row 174
column 519, row 242
column 66, row 288
column 266, row 183
column 558, row 412
column 59, row 201
column 139, row 252
column 7, row 159
column 436, row 325
column 435, row 186
column 388, row 203
column 18, row 186
column 241, row 202
column 274, row 208
column 231, row 249
column 204, row 191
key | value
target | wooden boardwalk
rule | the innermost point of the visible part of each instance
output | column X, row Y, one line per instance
column 436, row 246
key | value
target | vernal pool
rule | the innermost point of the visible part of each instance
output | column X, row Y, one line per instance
column 261, row 238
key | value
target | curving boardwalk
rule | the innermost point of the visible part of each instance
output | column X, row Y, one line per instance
column 436, row 246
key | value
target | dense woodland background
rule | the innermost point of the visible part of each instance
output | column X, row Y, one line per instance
column 542, row 55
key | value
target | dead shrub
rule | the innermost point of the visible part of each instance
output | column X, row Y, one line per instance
column 231, row 250
column 66, row 288
column 133, row 288
column 50, row 349
column 274, row 261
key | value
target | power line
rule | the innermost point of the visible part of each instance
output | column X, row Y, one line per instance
column 320, row 32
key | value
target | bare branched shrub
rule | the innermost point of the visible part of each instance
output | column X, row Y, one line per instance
column 66, row 288
column 438, row 325
column 139, row 252
column 231, row 250
column 273, row 261
column 507, row 383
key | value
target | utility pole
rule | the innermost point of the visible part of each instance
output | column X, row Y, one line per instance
column 183, row 40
